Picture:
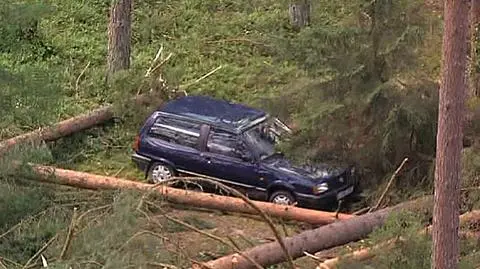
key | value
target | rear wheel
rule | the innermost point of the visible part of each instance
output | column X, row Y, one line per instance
column 160, row 173
column 282, row 198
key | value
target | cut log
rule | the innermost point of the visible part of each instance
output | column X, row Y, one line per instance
column 180, row 196
column 368, row 253
column 315, row 240
column 67, row 127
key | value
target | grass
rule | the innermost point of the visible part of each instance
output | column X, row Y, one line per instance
column 59, row 72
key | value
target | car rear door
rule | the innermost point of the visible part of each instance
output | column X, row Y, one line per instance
column 175, row 142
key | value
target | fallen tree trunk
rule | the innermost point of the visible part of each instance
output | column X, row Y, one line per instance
column 359, row 255
column 315, row 240
column 198, row 199
column 368, row 253
column 60, row 129
column 67, row 127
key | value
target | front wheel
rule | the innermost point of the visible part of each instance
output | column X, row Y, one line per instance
column 282, row 198
column 160, row 173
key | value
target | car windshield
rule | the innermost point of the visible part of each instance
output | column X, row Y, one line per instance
column 265, row 136
column 261, row 144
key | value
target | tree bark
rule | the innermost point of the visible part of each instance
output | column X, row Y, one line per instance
column 119, row 36
column 312, row 241
column 369, row 252
column 450, row 135
column 70, row 126
column 197, row 199
column 474, row 74
column 60, row 129
column 300, row 13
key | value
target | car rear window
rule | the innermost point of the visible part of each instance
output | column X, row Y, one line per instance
column 176, row 131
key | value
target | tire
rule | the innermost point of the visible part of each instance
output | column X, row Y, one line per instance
column 160, row 173
column 282, row 197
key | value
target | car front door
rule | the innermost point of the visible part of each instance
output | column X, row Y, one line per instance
column 227, row 160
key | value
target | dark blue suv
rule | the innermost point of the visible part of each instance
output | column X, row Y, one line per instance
column 235, row 145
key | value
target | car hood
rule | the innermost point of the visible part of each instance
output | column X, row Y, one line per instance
column 316, row 171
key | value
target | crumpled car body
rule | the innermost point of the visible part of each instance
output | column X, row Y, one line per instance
column 234, row 144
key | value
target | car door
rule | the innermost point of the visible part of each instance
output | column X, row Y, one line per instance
column 226, row 160
column 174, row 142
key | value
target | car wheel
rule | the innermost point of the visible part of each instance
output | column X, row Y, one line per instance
column 282, row 198
column 160, row 173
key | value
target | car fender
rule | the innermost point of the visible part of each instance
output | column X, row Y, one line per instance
column 278, row 184
column 159, row 160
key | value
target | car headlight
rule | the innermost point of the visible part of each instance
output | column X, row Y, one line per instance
column 321, row 188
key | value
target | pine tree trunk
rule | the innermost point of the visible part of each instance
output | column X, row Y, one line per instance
column 119, row 36
column 475, row 76
column 451, row 119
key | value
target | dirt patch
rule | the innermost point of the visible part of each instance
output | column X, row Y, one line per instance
column 244, row 231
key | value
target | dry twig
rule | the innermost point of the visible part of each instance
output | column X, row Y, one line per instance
column 163, row 265
column 185, row 86
column 212, row 236
column 16, row 264
column 13, row 228
column 388, row 185
column 361, row 211
column 71, row 231
column 262, row 214
column 315, row 258
column 251, row 204
column 159, row 236
column 359, row 255
column 40, row 251
column 246, row 240
column 77, row 82
column 80, row 218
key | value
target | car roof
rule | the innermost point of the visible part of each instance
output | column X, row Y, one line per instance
column 216, row 112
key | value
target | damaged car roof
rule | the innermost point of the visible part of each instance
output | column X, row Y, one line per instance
column 216, row 112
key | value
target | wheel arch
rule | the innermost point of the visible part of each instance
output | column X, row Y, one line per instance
column 162, row 161
column 280, row 186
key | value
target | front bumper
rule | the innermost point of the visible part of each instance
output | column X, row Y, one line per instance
column 327, row 199
column 141, row 162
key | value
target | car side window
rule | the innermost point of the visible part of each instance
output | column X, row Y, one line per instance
column 226, row 144
column 176, row 131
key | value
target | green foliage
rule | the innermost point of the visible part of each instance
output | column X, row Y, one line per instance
column 367, row 100
column 18, row 203
column 471, row 177
column 412, row 251
column 359, row 83
column 20, row 33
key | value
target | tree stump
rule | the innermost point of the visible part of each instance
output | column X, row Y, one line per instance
column 300, row 13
